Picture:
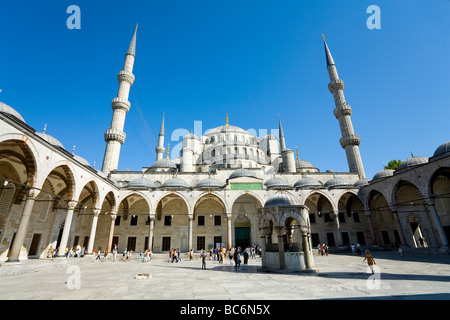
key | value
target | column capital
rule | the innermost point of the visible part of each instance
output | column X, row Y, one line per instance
column 32, row 193
column 96, row 212
column 71, row 204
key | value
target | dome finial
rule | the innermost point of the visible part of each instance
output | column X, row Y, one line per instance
column 73, row 149
column 45, row 128
column 226, row 120
column 296, row 151
column 167, row 155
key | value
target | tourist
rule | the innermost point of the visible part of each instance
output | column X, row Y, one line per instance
column 370, row 261
column 245, row 256
column 353, row 248
column 114, row 254
column 178, row 255
column 50, row 252
column 141, row 255
column 358, row 249
column 203, row 260
column 98, row 255
column 325, row 248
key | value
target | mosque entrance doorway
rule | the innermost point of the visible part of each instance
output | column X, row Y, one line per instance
column 242, row 237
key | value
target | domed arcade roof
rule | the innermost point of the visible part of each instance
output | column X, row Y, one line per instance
column 307, row 182
column 209, row 183
column 50, row 139
column 280, row 199
column 242, row 173
column 175, row 183
column 383, row 174
column 413, row 161
column 7, row 109
column 443, row 148
column 337, row 182
column 276, row 183
column 141, row 183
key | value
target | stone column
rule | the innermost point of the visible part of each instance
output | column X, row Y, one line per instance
column 281, row 247
column 111, row 231
column 191, row 223
column 93, row 230
column 307, row 251
column 23, row 226
column 150, row 233
column 229, row 237
column 263, row 249
column 338, row 229
column 66, row 230
column 399, row 227
column 438, row 224
column 372, row 231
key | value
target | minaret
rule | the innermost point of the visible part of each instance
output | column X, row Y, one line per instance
column 350, row 140
column 114, row 136
column 287, row 155
column 160, row 148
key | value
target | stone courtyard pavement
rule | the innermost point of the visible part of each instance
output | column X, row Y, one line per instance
column 339, row 276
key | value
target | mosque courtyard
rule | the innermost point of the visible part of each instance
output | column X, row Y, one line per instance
column 339, row 276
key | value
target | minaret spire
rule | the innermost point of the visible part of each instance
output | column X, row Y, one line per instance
column 350, row 140
column 160, row 148
column 114, row 136
column 282, row 140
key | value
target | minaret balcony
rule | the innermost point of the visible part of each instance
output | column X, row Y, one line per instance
column 126, row 76
column 343, row 111
column 119, row 103
column 115, row 135
column 350, row 140
column 336, row 85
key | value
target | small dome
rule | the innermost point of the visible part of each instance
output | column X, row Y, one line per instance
column 50, row 139
column 303, row 164
column 280, row 199
column 383, row 174
column 175, row 183
column 337, row 182
column 307, row 182
column 269, row 137
column 443, row 148
column 141, row 183
column 7, row 109
column 413, row 161
column 164, row 164
column 276, row 183
column 242, row 173
column 190, row 136
column 209, row 183
column 83, row 161
column 361, row 182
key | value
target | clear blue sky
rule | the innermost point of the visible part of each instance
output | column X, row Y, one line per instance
column 253, row 59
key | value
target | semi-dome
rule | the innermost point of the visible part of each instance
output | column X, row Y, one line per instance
column 7, row 109
column 50, row 139
column 337, row 182
column 443, row 148
column 242, row 173
column 175, row 183
column 276, row 183
column 280, row 199
column 361, row 182
column 413, row 161
column 383, row 174
column 269, row 137
column 141, row 183
column 209, row 183
column 81, row 160
column 190, row 136
column 307, row 182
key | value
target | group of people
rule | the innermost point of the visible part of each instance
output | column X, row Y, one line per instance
column 322, row 249
column 174, row 255
column 74, row 252
column 356, row 248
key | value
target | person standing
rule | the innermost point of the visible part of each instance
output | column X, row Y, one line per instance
column 358, row 249
column 353, row 248
column 98, row 255
column 370, row 261
column 245, row 256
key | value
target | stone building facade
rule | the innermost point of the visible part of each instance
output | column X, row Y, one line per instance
column 211, row 194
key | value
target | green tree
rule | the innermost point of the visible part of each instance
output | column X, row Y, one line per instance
column 393, row 164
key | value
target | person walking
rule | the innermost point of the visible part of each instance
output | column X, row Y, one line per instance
column 370, row 261
column 353, row 248
column 358, row 249
column 203, row 261
column 245, row 256
column 98, row 255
